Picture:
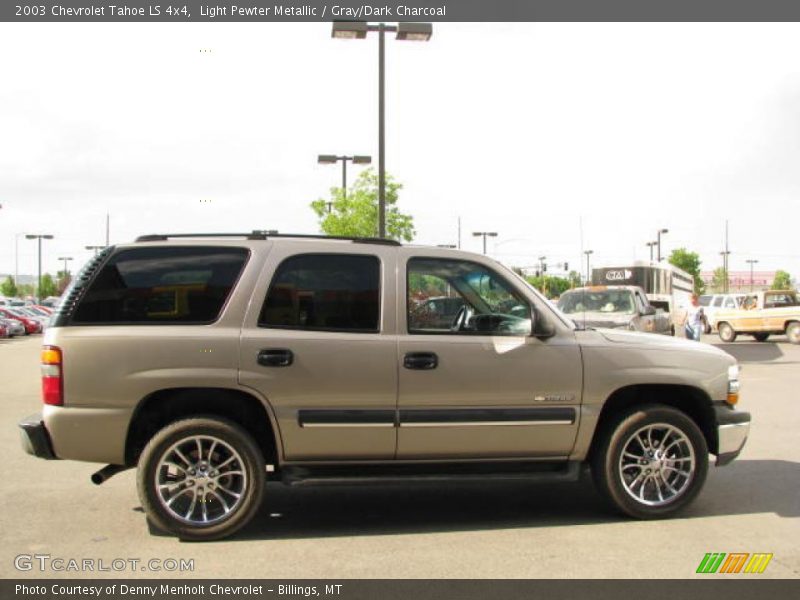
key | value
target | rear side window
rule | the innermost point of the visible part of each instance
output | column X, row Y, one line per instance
column 324, row 292
column 162, row 285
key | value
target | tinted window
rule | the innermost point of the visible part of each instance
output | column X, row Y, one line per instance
column 704, row 300
column 328, row 292
column 717, row 301
column 462, row 297
column 162, row 285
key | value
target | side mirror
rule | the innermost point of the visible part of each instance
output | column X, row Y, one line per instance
column 541, row 327
column 648, row 310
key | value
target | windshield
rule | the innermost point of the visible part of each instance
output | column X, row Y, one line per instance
column 603, row 301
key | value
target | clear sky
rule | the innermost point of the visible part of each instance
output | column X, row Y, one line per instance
column 524, row 129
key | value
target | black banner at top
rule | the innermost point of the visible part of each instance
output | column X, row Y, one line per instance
column 397, row 10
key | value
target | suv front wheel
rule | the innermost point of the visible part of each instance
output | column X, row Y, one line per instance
column 201, row 478
column 651, row 461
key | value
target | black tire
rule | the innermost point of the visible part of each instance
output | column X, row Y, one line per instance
column 793, row 332
column 607, row 456
column 761, row 337
column 726, row 333
column 252, row 479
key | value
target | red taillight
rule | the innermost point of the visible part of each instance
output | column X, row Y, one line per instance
column 52, row 376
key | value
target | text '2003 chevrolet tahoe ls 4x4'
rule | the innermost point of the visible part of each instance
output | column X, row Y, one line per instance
column 209, row 362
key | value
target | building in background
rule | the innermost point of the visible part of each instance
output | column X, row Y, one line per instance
column 739, row 281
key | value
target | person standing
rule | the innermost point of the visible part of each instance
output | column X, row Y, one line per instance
column 693, row 323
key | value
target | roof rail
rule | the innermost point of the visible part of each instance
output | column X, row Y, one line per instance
column 266, row 234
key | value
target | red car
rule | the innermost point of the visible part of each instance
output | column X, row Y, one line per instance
column 3, row 331
column 31, row 326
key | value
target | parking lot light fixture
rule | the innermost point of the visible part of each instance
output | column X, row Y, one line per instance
column 484, row 234
column 658, row 241
column 412, row 32
column 651, row 245
column 65, row 259
column 588, row 253
column 332, row 159
column 751, row 262
column 349, row 30
column 39, row 237
column 95, row 248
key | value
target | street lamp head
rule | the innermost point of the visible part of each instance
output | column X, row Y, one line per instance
column 414, row 32
column 362, row 160
column 664, row 231
column 349, row 30
column 327, row 159
column 587, row 252
column 491, row 233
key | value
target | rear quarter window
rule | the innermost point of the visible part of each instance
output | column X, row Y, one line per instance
column 185, row 284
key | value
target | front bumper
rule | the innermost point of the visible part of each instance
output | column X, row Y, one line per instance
column 34, row 437
column 733, row 427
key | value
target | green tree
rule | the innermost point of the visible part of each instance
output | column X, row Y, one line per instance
column 9, row 287
column 689, row 262
column 48, row 287
column 719, row 280
column 63, row 278
column 25, row 289
column 782, row 281
column 554, row 286
column 356, row 214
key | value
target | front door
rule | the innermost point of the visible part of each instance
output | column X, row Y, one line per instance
column 478, row 384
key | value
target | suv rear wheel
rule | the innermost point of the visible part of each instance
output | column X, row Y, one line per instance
column 201, row 478
column 651, row 461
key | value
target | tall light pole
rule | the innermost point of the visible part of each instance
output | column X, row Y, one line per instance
column 357, row 30
column 65, row 259
column 588, row 253
column 658, row 242
column 751, row 261
column 332, row 159
column 542, row 270
column 725, row 254
column 39, row 237
column 651, row 245
column 485, row 234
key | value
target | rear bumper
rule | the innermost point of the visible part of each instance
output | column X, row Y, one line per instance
column 34, row 437
column 733, row 427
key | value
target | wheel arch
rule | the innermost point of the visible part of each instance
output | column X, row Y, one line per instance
column 692, row 401
column 162, row 407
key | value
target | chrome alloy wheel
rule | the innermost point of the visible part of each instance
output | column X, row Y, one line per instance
column 200, row 480
column 657, row 464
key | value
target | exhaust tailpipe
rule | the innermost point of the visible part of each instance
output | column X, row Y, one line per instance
column 106, row 473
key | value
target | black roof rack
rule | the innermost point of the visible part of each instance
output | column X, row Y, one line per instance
column 263, row 235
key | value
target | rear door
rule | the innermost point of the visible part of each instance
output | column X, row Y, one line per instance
column 319, row 345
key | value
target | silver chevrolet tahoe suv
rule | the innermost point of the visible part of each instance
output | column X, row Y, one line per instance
column 213, row 362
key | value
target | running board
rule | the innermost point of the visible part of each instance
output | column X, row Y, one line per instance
column 562, row 471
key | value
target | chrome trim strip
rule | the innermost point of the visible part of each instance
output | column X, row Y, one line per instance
column 480, row 423
column 328, row 425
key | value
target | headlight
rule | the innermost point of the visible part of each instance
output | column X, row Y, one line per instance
column 733, row 384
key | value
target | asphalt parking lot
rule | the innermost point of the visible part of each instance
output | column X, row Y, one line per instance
column 509, row 530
